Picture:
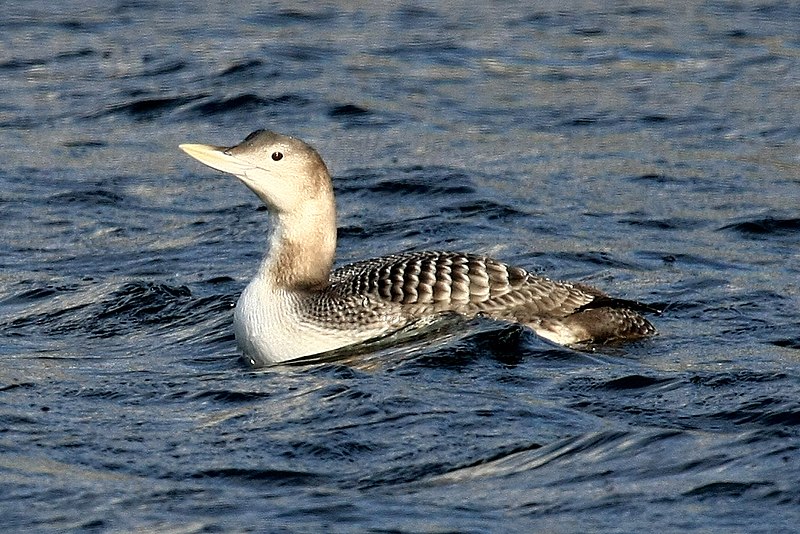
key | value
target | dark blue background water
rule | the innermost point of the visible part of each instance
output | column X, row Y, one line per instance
column 652, row 150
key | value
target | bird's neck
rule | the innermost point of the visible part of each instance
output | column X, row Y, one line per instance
column 302, row 247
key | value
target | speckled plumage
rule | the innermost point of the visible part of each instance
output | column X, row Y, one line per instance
column 296, row 306
column 416, row 284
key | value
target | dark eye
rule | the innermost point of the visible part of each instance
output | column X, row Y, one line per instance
column 277, row 156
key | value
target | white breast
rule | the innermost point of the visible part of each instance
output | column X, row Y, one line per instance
column 270, row 327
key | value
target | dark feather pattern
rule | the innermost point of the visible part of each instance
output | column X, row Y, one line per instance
column 402, row 287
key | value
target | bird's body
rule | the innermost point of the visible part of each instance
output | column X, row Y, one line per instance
column 297, row 306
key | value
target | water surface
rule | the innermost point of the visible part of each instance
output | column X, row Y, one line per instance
column 649, row 150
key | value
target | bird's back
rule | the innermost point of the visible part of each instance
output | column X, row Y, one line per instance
column 400, row 288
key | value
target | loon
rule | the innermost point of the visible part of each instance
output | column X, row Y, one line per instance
column 297, row 306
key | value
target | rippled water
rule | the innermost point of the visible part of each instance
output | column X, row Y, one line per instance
column 651, row 150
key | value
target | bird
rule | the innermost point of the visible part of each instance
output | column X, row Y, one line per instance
column 297, row 305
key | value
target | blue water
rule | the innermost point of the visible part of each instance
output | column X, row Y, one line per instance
column 651, row 150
